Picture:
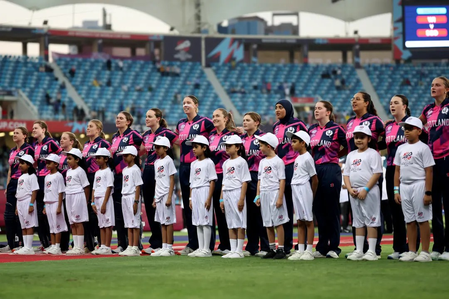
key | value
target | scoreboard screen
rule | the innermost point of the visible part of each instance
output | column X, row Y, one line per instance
column 426, row 26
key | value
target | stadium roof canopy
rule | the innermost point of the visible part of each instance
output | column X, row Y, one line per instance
column 180, row 14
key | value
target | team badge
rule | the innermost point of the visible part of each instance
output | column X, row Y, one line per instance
column 267, row 169
column 230, row 170
column 95, row 146
column 125, row 139
column 45, row 147
column 407, row 155
column 445, row 110
column 366, row 123
column 126, row 178
column 196, row 126
column 329, row 133
column 68, row 179
column 256, row 142
column 48, row 184
column 291, row 130
column 198, row 171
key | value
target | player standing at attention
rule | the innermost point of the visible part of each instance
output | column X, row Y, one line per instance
column 131, row 204
column 303, row 194
column 232, row 200
column 414, row 163
column 164, row 173
column 102, row 200
column 270, row 194
column 202, row 184
column 362, row 171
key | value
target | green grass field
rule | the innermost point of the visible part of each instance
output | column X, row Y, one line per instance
column 252, row 277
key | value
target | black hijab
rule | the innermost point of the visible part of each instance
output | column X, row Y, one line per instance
column 289, row 112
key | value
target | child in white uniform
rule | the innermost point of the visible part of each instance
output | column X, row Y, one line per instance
column 27, row 187
column 131, row 199
column 202, row 184
column 164, row 173
column 270, row 194
column 363, row 169
column 102, row 202
column 235, row 182
column 414, row 163
column 77, row 193
column 303, row 194
column 54, row 208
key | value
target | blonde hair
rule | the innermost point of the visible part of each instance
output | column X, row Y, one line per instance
column 99, row 125
column 76, row 143
column 254, row 116
column 230, row 125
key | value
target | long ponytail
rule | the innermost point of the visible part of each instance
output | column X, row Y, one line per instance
column 76, row 143
column 404, row 102
column 367, row 98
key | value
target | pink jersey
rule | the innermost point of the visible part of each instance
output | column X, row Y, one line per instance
column 284, row 149
column 326, row 142
column 372, row 121
column 253, row 153
column 149, row 137
column 437, row 126
column 394, row 137
column 14, row 156
column 41, row 151
column 218, row 148
column 90, row 148
column 119, row 142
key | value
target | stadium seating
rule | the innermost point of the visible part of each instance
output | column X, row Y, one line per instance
column 143, row 74
column 388, row 80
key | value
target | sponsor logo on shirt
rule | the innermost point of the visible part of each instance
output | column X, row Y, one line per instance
column 407, row 155
column 48, row 184
column 68, row 179
column 197, row 171
column 160, row 169
column 126, row 178
column 296, row 165
column 267, row 169
column 98, row 180
column 230, row 170
column 21, row 182
column 357, row 162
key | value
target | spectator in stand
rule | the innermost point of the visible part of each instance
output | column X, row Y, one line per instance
column 138, row 88
column 292, row 89
column 197, row 83
column 48, row 97
column 255, row 85
column 75, row 113
column 108, row 64
column 59, row 97
column 109, row 83
column 124, row 88
column 406, row 82
column 150, row 88
column 233, row 64
column 337, row 84
column 64, row 111
column 72, row 72
column 177, row 98
column 96, row 83
column 343, row 83
column 81, row 114
column 42, row 68
column 120, row 65
column 176, row 71
column 268, row 87
column 280, row 89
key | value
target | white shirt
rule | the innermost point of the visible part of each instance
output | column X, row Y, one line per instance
column 360, row 167
column 304, row 169
column 413, row 159
column 75, row 180
column 270, row 172
column 26, row 184
column 54, row 185
column 201, row 173
column 104, row 178
column 235, row 173
column 163, row 170
column 132, row 178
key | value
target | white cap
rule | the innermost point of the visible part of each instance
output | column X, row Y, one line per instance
column 102, row 152
column 74, row 152
column 130, row 150
column 198, row 139
column 412, row 121
column 233, row 139
column 162, row 141
column 27, row 158
column 363, row 129
column 269, row 138
column 54, row 158
column 300, row 134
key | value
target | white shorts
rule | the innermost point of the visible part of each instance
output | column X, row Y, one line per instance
column 201, row 216
column 55, row 221
column 131, row 220
column 27, row 220
column 107, row 219
column 76, row 207
column 302, row 196
column 272, row 216
column 165, row 215
column 234, row 218
column 413, row 207
column 366, row 212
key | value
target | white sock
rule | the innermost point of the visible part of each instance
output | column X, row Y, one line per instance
column 57, row 245
column 233, row 245
column 170, row 246
column 25, row 241
column 164, row 245
column 207, row 231
column 359, row 240
column 200, row 233
column 309, row 248
column 80, row 241
column 30, row 241
column 240, row 245
column 301, row 248
column 372, row 244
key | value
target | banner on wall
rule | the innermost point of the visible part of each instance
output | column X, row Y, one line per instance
column 76, row 127
column 182, row 48
column 224, row 50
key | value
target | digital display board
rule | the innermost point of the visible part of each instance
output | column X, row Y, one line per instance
column 426, row 26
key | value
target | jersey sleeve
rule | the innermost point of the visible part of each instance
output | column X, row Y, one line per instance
column 61, row 184
column 34, row 184
column 379, row 127
column 94, row 185
column 137, row 177
column 427, row 158
column 30, row 151
column 301, row 126
column 246, row 176
column 424, row 112
column 281, row 169
column 171, row 168
column 341, row 136
column 259, row 174
column 137, row 139
column 110, row 179
column 397, row 157
column 211, row 173
column 104, row 144
column 172, row 136
column 83, row 179
column 310, row 166
column 208, row 125
column 54, row 147
column 347, row 169
column 376, row 162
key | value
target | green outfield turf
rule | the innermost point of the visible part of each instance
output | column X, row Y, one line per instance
column 251, row 277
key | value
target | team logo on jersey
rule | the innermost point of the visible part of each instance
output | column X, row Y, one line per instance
column 420, row 214
column 366, row 123
column 126, row 178
column 445, row 110
column 77, row 217
column 350, row 125
column 357, row 162
column 429, row 112
column 21, row 182
column 45, row 147
column 160, row 169
column 313, row 132
column 389, row 128
column 196, row 126
column 329, row 133
column 125, row 139
column 212, row 138
column 373, row 219
column 225, row 138
column 181, row 127
column 68, row 179
column 98, row 180
column 296, row 165
column 230, row 170
column 58, row 226
column 291, row 130
column 267, row 169
column 256, row 142
column 407, row 155
column 198, row 171
column 95, row 146
column 21, row 153
column 281, row 217
column 27, row 222
column 167, row 218
column 48, row 184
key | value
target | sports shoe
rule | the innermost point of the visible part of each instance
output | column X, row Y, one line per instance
column 349, row 254
column 280, row 254
column 55, row 251
column 220, row 252
column 236, row 255
column 75, row 251
column 104, row 251
column 25, row 251
column 246, row 253
column 5, row 249
column 194, row 253
column 307, row 256
column 261, row 253
column 356, row 256
column 48, row 249
column 118, row 250
column 186, row 250
column 435, row 255
column 317, row 255
column 296, row 256
column 17, row 248
column 158, row 252
column 332, row 255
column 148, row 250
column 408, row 257
column 270, row 254
column 394, row 256
column 131, row 252
column 444, row 256
column 370, row 256
column 227, row 255
column 127, row 250
column 167, row 252
column 95, row 251
column 204, row 253
column 423, row 257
